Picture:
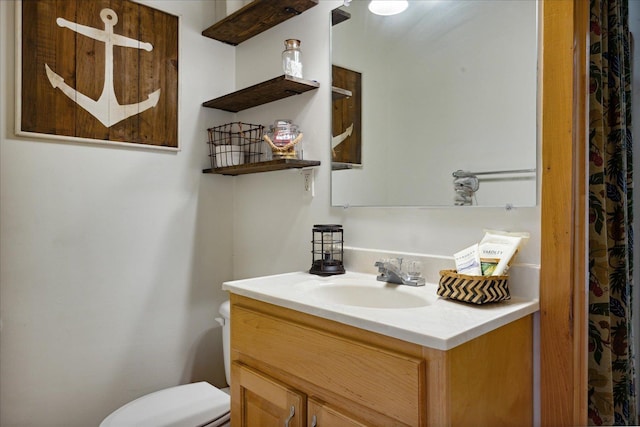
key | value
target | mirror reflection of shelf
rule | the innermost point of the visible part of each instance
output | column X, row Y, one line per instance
column 339, row 93
column 339, row 15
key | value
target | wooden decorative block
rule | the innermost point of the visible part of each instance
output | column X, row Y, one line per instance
column 97, row 71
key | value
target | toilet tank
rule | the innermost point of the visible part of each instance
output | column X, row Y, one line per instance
column 225, row 312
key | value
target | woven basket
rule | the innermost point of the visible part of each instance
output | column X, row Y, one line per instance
column 473, row 289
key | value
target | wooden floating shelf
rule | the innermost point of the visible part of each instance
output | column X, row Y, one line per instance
column 338, row 166
column 268, row 166
column 262, row 93
column 255, row 18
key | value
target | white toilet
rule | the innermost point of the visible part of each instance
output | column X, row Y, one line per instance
column 190, row 405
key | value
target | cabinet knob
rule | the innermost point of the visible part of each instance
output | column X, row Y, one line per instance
column 292, row 412
column 314, row 421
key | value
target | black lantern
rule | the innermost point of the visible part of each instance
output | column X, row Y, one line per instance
column 327, row 250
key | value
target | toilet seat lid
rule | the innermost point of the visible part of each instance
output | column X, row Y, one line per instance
column 181, row 406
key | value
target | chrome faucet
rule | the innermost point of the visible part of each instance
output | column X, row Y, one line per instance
column 391, row 271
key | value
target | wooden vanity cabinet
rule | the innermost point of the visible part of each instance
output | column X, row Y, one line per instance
column 320, row 414
column 289, row 366
column 267, row 402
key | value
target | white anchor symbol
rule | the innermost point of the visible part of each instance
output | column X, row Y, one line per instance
column 106, row 109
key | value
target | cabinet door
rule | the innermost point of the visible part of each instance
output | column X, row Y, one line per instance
column 321, row 415
column 263, row 401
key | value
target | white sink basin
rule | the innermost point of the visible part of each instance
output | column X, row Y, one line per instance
column 412, row 314
column 376, row 295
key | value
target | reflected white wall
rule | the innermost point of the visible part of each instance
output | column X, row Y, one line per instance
column 452, row 91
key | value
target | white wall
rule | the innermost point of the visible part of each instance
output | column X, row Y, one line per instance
column 111, row 258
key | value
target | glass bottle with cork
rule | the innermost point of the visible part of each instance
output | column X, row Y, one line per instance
column 292, row 58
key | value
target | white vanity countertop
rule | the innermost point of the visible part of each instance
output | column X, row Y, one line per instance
column 441, row 324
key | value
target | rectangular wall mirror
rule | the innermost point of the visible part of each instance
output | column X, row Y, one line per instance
column 443, row 87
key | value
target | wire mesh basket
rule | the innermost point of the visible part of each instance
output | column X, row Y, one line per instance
column 235, row 143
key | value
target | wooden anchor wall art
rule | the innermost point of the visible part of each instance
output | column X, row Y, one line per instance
column 97, row 71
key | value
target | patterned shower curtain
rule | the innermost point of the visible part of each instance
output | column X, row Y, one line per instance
column 611, row 368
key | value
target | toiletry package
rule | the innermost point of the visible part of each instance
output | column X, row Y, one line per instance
column 481, row 269
column 498, row 249
column 468, row 261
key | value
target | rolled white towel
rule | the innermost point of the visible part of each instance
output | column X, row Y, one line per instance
column 470, row 182
column 465, row 188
